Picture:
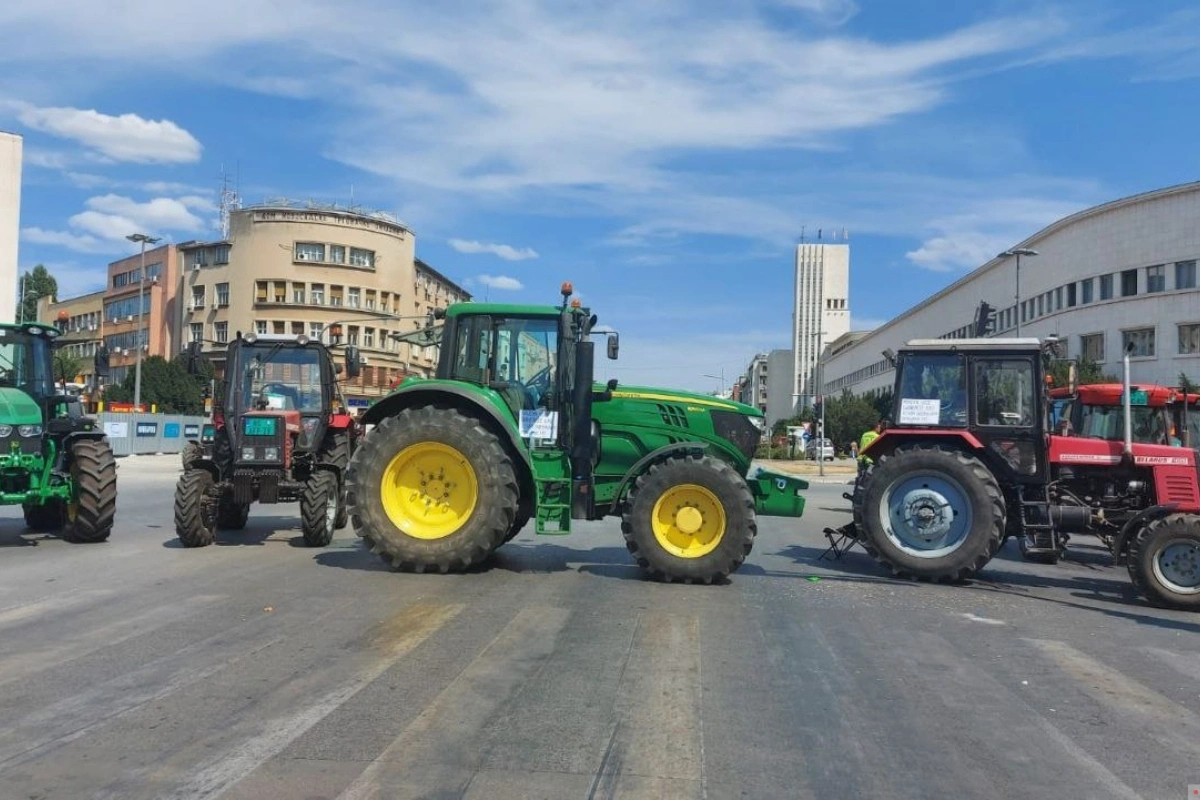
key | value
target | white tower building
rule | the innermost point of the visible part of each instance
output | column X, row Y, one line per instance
column 821, row 312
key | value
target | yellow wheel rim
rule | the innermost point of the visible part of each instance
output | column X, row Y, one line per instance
column 429, row 490
column 688, row 521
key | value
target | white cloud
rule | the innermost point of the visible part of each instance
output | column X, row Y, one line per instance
column 834, row 12
column 127, row 137
column 80, row 242
column 504, row 251
column 502, row 282
column 106, row 221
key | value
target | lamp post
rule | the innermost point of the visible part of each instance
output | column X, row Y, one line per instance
column 720, row 378
column 1018, row 252
column 143, row 239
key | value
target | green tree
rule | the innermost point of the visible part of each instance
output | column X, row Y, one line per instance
column 66, row 366
column 165, row 384
column 1086, row 372
column 35, row 284
column 1185, row 384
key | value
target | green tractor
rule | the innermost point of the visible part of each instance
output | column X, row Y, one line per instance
column 53, row 459
column 514, row 428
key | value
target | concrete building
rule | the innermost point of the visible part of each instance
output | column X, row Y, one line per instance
column 821, row 312
column 11, row 146
column 156, row 325
column 1122, row 272
column 297, row 270
column 80, row 320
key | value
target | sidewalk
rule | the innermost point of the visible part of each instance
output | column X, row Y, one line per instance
column 840, row 472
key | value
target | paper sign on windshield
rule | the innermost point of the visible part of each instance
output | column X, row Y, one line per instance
column 539, row 424
column 915, row 411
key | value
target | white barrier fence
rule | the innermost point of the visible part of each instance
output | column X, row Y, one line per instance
column 141, row 434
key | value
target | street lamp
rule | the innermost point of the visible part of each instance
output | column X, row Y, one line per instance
column 720, row 378
column 1018, row 252
column 143, row 239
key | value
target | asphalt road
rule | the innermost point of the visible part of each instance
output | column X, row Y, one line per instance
column 258, row 668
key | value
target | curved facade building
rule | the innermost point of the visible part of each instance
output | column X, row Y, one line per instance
column 293, row 270
column 1122, row 272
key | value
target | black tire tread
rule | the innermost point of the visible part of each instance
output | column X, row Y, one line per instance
column 718, row 564
column 94, row 471
column 494, row 470
column 232, row 516
column 314, row 524
column 46, row 518
column 978, row 471
column 337, row 452
column 190, row 497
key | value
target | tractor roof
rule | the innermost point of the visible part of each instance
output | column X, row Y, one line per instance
column 1109, row 394
column 34, row 328
column 502, row 310
column 959, row 345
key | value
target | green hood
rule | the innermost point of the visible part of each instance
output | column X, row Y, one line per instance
column 18, row 408
column 677, row 396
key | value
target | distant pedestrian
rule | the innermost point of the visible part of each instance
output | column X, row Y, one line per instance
column 864, row 461
column 854, row 450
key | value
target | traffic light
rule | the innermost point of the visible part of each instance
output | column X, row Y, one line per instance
column 101, row 362
column 985, row 320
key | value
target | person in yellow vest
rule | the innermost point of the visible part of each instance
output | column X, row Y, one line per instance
column 864, row 461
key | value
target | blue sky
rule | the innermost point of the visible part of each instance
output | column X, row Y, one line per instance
column 663, row 156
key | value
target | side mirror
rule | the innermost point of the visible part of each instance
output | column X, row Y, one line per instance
column 353, row 361
column 614, row 345
column 101, row 361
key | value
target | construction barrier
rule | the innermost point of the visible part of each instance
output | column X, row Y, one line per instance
column 146, row 434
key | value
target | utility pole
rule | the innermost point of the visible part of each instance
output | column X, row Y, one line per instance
column 137, row 380
column 1018, row 252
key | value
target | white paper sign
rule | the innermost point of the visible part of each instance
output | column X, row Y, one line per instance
column 539, row 424
column 919, row 412
column 116, row 430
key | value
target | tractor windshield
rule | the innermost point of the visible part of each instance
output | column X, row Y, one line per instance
column 517, row 356
column 1108, row 422
column 933, row 390
column 26, row 362
column 282, row 377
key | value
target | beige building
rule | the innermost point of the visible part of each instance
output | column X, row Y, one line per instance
column 80, row 321
column 295, row 270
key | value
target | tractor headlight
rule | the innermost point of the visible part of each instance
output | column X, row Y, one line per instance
column 5, row 430
column 271, row 454
column 29, row 430
column 760, row 423
column 247, row 454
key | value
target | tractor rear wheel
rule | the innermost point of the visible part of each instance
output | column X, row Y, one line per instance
column 1164, row 562
column 232, row 516
column 519, row 522
column 432, row 489
column 195, row 510
column 319, row 505
column 90, row 514
column 46, row 517
column 931, row 514
column 690, row 519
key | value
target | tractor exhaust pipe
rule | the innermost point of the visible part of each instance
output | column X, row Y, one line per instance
column 1127, row 404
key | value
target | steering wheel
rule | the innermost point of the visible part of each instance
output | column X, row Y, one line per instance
column 538, row 385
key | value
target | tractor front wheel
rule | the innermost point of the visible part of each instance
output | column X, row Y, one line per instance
column 1164, row 562
column 337, row 452
column 90, row 513
column 931, row 514
column 319, row 508
column 432, row 489
column 690, row 519
column 195, row 509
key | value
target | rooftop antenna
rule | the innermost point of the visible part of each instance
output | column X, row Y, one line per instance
column 229, row 202
column 802, row 234
column 818, row 234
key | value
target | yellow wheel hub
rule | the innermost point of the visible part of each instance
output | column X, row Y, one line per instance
column 429, row 490
column 688, row 521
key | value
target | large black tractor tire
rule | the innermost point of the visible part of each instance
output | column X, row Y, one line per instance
column 195, row 510
column 45, row 518
column 337, row 452
column 89, row 518
column 690, row 519
column 319, row 503
column 931, row 514
column 232, row 516
column 434, row 520
column 519, row 522
column 1164, row 562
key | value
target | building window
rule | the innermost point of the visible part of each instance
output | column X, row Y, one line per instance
column 222, row 295
column 314, row 331
column 369, row 300
column 362, row 258
column 335, row 295
column 310, row 251
column 1058, row 299
column 260, row 291
column 352, row 335
column 199, row 257
column 279, row 327
column 369, row 337
column 318, row 294
column 280, row 291
column 352, row 297
column 298, row 293
column 297, row 328
column 1129, row 283
column 196, row 331
column 260, row 326
column 221, row 254
column 1071, row 295
column 221, row 332
column 1041, row 304
column 1189, row 339
column 197, row 297
column 337, row 254
column 1185, row 274
column 1106, row 287
column 1086, row 291
column 1142, row 340
column 1156, row 278
column 1091, row 347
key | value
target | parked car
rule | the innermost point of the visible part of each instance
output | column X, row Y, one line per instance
column 820, row 449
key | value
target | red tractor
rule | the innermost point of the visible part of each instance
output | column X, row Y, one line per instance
column 281, row 433
column 970, row 460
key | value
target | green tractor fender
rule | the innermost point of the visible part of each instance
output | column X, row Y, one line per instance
column 483, row 403
column 643, row 464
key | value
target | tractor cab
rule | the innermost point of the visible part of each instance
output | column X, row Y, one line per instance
column 1096, row 411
